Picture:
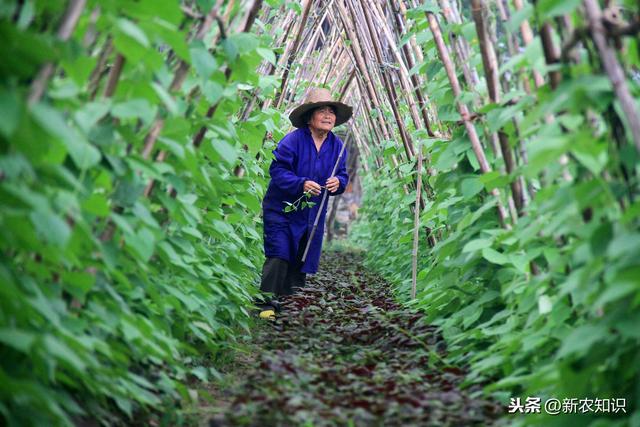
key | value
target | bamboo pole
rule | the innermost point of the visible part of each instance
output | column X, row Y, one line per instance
column 403, row 71
column 460, row 45
column 114, row 76
column 490, row 63
column 248, row 19
column 198, row 137
column 99, row 70
column 359, row 62
column 551, row 53
column 415, row 78
column 384, row 80
column 462, row 56
column 514, row 48
column 527, row 38
column 390, row 90
column 68, row 24
column 294, row 50
column 179, row 76
column 416, row 225
column 303, row 58
column 464, row 111
column 613, row 69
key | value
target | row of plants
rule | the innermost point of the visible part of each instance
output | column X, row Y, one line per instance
column 129, row 200
column 544, row 302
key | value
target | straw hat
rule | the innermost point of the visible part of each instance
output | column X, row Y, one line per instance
column 319, row 97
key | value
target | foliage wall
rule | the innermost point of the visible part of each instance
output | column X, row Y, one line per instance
column 129, row 201
column 550, row 305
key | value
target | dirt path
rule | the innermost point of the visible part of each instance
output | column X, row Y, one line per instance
column 344, row 353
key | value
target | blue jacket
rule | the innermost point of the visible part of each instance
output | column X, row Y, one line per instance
column 296, row 161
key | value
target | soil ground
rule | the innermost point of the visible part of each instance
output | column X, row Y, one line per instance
column 343, row 352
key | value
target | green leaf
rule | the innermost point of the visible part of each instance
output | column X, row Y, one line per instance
column 626, row 243
column 228, row 153
column 62, row 352
column 51, row 227
column 90, row 113
column 204, row 63
column 10, row 112
column 96, row 204
column 518, row 17
column 470, row 187
column 133, row 109
column 83, row 154
column 267, row 54
column 476, row 245
column 143, row 242
column 493, row 179
column 620, row 286
column 213, row 91
column 78, row 283
column 494, row 256
column 544, row 304
column 582, row 339
column 166, row 98
column 244, row 42
column 230, row 49
column 132, row 30
column 19, row 339
column 590, row 152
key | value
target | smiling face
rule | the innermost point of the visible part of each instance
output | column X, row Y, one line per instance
column 323, row 119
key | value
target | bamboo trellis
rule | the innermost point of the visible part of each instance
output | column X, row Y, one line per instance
column 367, row 55
column 365, row 59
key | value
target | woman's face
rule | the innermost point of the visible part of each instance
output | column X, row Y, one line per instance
column 323, row 119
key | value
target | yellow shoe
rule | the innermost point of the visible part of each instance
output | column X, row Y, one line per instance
column 268, row 314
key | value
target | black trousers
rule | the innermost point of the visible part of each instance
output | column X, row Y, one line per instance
column 281, row 277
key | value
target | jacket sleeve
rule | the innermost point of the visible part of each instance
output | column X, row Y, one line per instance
column 282, row 168
column 342, row 175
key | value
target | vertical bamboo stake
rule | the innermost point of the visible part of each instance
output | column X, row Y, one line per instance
column 98, row 71
column 464, row 112
column 303, row 58
column 514, row 48
column 460, row 45
column 490, row 64
column 68, row 24
column 416, row 225
column 415, row 78
column 403, row 72
column 527, row 38
column 613, row 69
column 392, row 96
column 360, row 63
column 294, row 50
column 551, row 53
column 462, row 55
column 114, row 76
column 373, row 45
column 552, row 57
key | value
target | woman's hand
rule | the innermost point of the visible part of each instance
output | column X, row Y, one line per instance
column 311, row 187
column 332, row 184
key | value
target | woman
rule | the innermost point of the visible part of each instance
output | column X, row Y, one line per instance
column 304, row 160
